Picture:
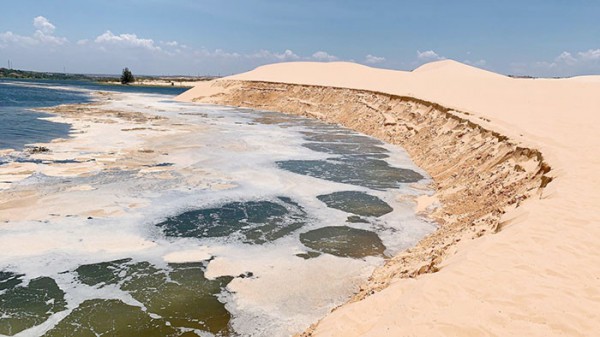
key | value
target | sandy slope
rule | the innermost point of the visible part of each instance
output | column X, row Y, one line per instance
column 540, row 275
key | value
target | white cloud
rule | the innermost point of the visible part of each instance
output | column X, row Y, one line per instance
column 324, row 56
column 371, row 59
column 127, row 40
column 148, row 55
column 287, row 55
column 590, row 55
column 479, row 63
column 215, row 53
column 429, row 55
column 43, row 35
column 10, row 37
column 42, row 24
column 49, row 38
column 566, row 57
column 226, row 54
column 565, row 64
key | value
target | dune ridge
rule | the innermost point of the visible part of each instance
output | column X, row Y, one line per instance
column 489, row 142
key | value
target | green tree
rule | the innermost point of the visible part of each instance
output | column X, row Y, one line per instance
column 127, row 77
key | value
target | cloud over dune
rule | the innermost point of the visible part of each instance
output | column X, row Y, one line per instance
column 569, row 63
column 123, row 48
column 371, row 59
column 108, row 51
column 429, row 55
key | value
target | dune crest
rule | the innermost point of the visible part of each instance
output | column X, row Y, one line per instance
column 451, row 68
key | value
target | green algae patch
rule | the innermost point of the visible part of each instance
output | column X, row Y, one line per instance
column 180, row 294
column 359, row 203
column 23, row 306
column 256, row 222
column 343, row 241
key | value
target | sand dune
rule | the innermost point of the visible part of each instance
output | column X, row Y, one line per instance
column 539, row 275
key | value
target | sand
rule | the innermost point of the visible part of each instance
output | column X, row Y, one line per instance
column 532, row 268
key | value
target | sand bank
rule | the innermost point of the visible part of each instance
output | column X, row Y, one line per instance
column 516, row 158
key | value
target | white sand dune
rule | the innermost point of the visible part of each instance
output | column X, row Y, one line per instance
column 540, row 275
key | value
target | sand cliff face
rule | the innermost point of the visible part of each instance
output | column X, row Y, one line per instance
column 539, row 274
column 478, row 173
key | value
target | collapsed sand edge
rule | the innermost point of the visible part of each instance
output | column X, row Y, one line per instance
column 479, row 174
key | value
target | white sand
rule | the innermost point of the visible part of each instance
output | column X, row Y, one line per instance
column 539, row 276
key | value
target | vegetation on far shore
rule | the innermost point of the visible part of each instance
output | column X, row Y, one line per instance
column 127, row 76
column 25, row 74
column 103, row 79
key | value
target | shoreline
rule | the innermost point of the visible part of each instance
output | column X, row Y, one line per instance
column 429, row 253
column 155, row 83
column 482, row 126
column 136, row 139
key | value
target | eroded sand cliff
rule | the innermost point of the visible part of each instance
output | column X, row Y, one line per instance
column 490, row 156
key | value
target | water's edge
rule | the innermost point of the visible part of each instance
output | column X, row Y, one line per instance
column 466, row 161
column 66, row 113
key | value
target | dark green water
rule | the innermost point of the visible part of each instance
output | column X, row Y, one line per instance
column 254, row 222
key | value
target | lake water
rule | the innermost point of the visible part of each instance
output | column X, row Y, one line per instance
column 20, row 126
column 306, row 211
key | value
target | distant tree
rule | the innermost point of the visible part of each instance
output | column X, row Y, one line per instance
column 127, row 77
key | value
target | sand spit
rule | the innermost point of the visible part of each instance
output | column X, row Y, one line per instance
column 489, row 142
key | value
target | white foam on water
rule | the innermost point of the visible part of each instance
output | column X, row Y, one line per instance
column 284, row 291
column 231, row 159
column 191, row 255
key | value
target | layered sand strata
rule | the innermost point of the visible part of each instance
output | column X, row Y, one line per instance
column 489, row 142
column 467, row 161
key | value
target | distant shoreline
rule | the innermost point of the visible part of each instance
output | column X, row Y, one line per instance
column 159, row 82
column 143, row 81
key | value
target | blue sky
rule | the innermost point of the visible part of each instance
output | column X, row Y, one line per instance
column 526, row 37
